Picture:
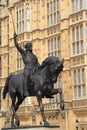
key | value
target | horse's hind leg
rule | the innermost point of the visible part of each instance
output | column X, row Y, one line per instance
column 13, row 112
column 20, row 100
column 39, row 98
column 12, row 121
column 14, row 115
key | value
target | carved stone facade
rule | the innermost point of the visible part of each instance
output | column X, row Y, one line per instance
column 55, row 27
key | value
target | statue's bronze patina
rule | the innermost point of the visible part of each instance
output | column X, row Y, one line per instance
column 36, row 80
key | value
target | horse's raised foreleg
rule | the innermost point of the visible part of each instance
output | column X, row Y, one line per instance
column 61, row 99
column 39, row 98
column 54, row 91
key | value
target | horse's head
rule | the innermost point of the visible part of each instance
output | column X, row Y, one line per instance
column 55, row 67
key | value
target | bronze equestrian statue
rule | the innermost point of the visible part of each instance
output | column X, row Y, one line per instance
column 40, row 80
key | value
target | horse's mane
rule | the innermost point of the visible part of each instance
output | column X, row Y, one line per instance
column 49, row 60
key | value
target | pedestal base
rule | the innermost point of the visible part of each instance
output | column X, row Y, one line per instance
column 34, row 128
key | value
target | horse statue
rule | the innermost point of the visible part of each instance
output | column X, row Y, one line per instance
column 42, row 86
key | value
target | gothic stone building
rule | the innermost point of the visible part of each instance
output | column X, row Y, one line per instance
column 55, row 27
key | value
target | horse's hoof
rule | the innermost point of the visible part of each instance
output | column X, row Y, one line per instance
column 59, row 90
column 12, row 126
column 46, row 123
column 62, row 107
column 17, row 123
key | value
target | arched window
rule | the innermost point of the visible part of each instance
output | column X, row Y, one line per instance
column 83, row 75
column 20, row 64
column 81, row 4
column 58, row 42
column 58, row 4
column 86, row 31
column 54, row 4
column 51, row 44
column 48, row 20
column 82, row 47
column 79, row 76
column 22, row 26
column 79, row 92
column 54, row 18
column 58, row 17
column 77, row 33
column 72, row 6
column 73, row 48
column 84, row 93
column 48, row 45
column 76, row 5
column 50, row 6
column 81, row 31
column 86, row 3
column 27, row 18
column 0, row 33
column 47, row 7
column 0, row 66
column 51, row 19
column 73, row 34
column 54, row 43
column 22, row 13
column 77, row 47
column 20, row 19
column 75, row 92
column 27, row 13
column 0, row 98
column 74, row 77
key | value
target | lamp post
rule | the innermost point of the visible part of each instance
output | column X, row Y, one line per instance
column 76, row 124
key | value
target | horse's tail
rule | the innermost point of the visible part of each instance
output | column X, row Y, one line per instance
column 5, row 91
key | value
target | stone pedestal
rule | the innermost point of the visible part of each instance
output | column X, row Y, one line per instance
column 34, row 128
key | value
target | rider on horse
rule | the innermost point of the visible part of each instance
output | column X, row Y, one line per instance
column 30, row 61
